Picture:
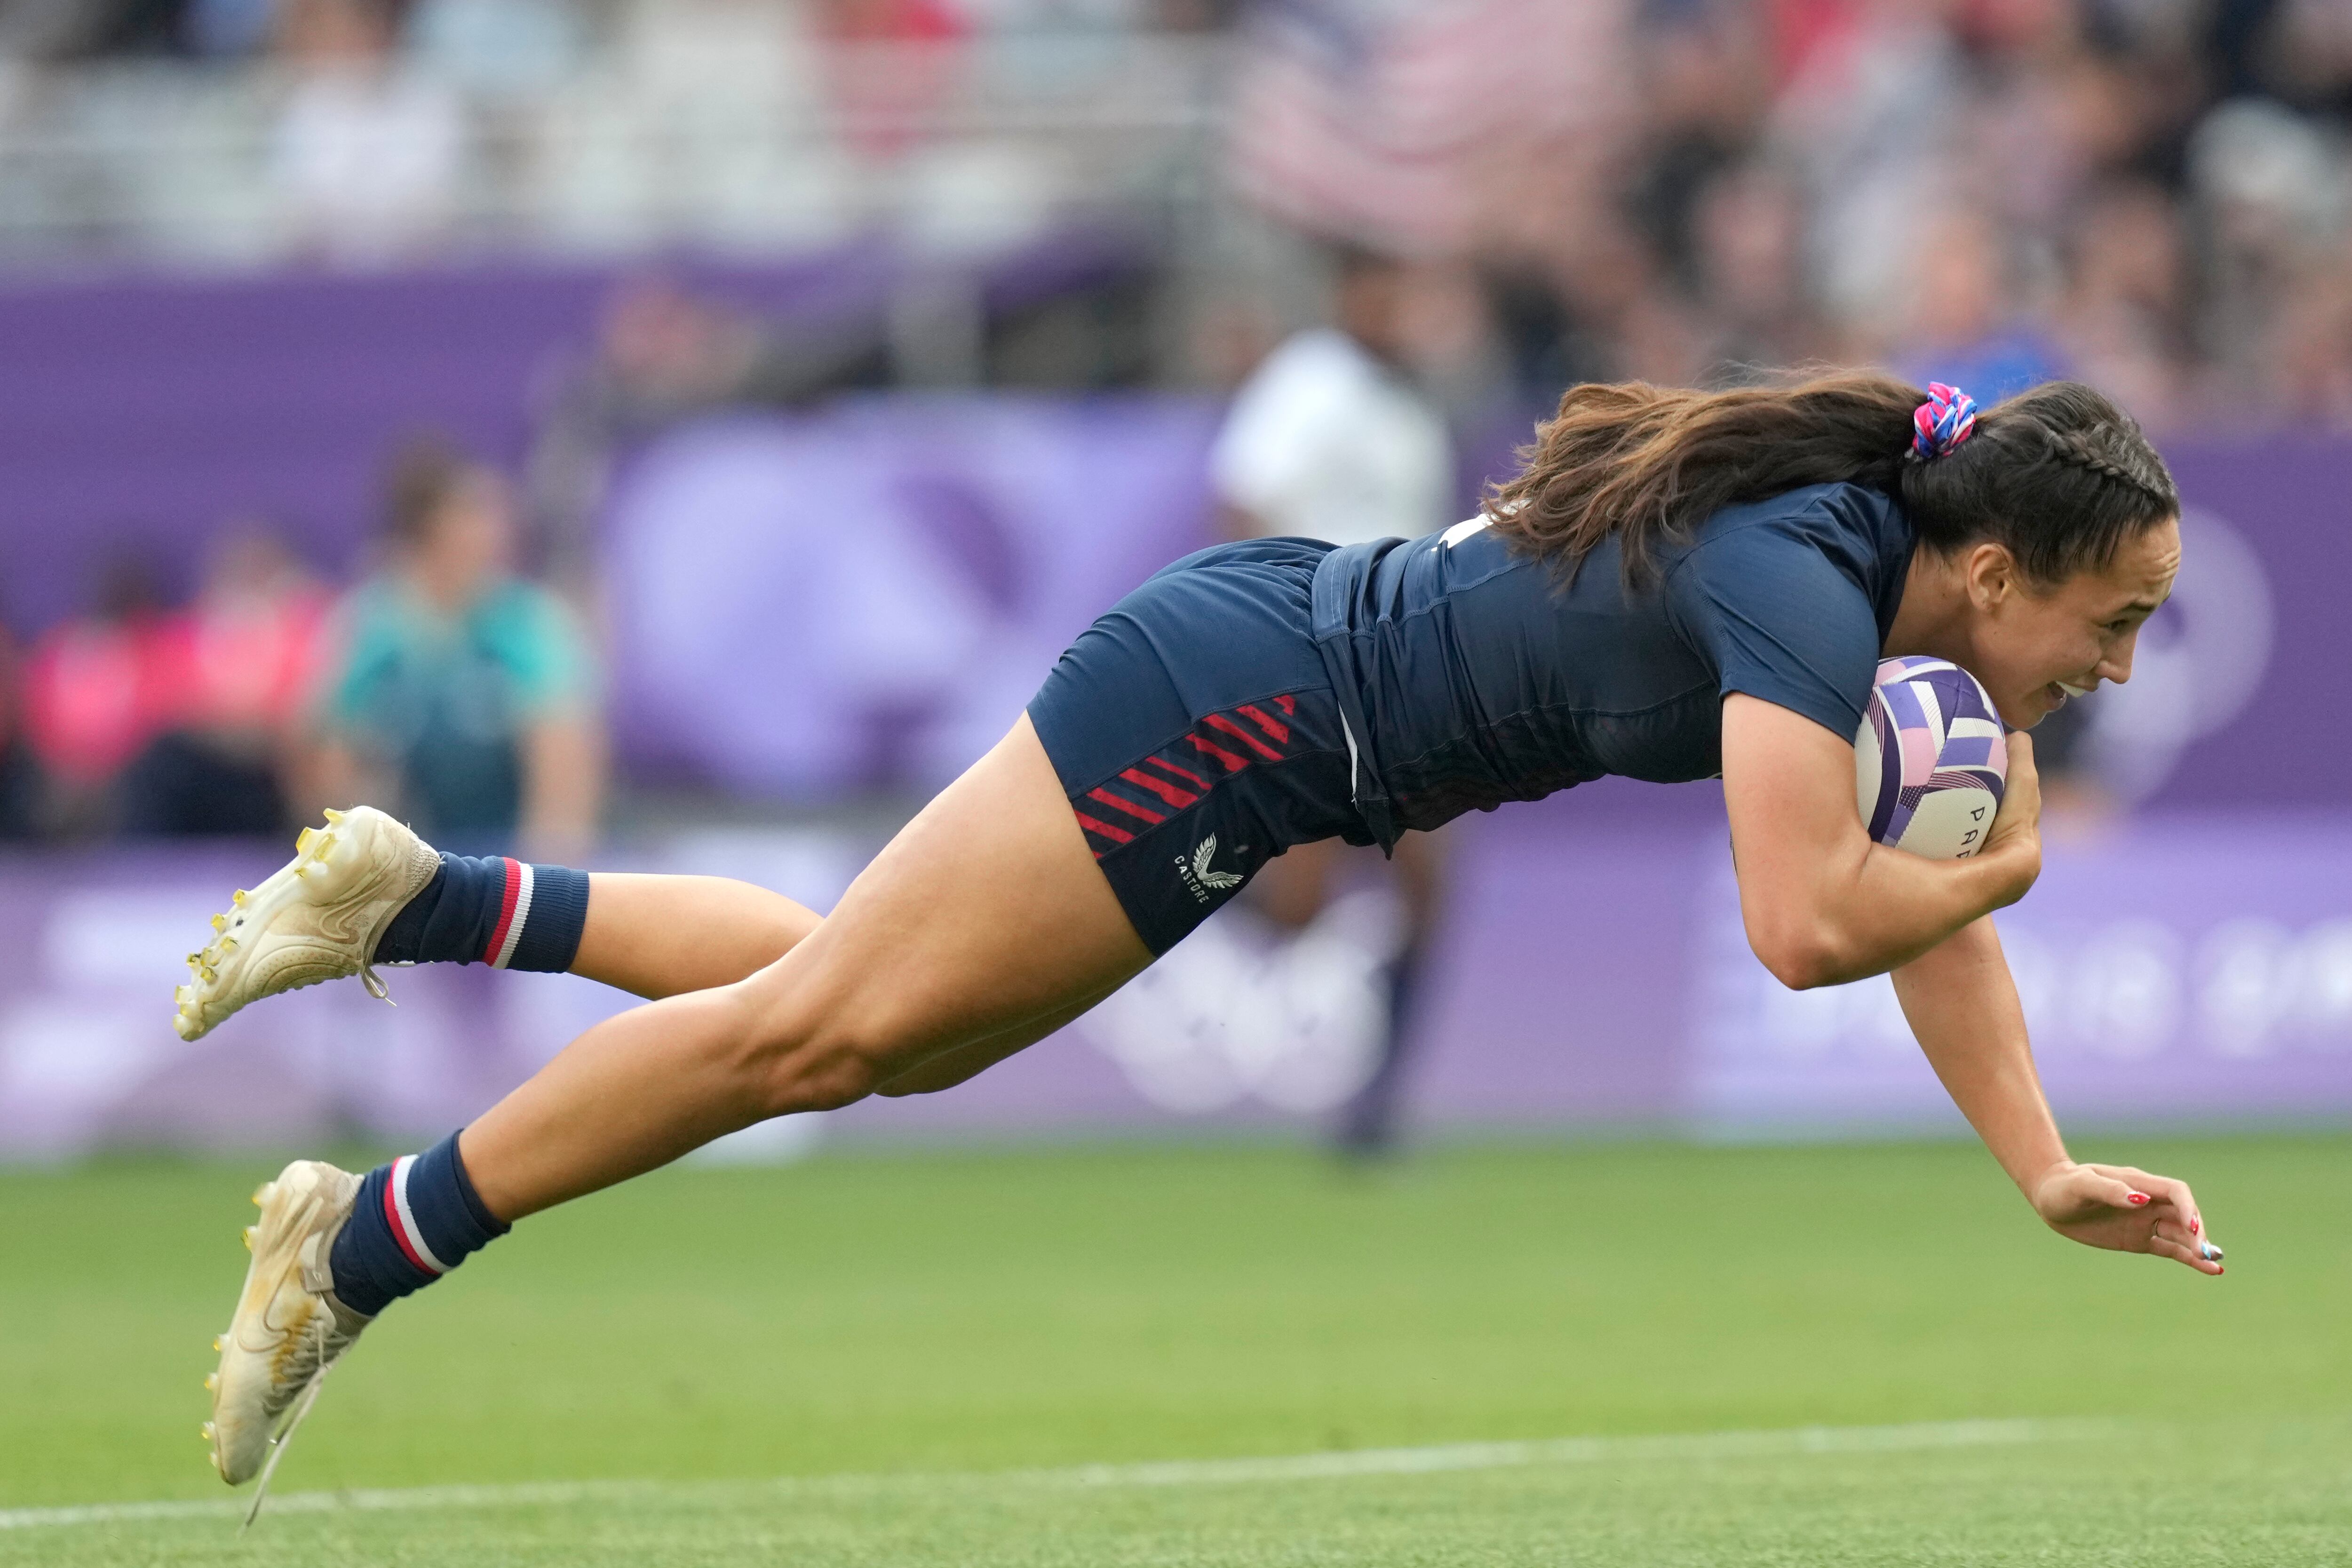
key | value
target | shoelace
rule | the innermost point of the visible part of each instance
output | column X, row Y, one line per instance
column 285, row 1435
column 321, row 1347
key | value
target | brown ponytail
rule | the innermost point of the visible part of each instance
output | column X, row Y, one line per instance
column 2058, row 475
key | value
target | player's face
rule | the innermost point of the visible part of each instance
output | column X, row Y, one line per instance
column 2039, row 645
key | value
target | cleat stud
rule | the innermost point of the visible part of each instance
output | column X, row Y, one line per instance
column 228, row 944
column 210, row 974
column 248, row 1238
column 239, row 897
column 212, row 1381
column 216, row 1342
column 333, row 816
column 208, row 1430
column 303, row 840
column 264, row 1193
column 220, row 922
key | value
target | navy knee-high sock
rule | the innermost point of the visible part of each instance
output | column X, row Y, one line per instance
column 416, row 1219
column 491, row 910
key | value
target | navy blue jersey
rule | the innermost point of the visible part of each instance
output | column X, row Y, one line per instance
column 1470, row 675
column 1277, row 692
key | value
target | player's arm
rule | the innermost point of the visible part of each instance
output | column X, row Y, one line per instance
column 1963, row 1007
column 1822, row 904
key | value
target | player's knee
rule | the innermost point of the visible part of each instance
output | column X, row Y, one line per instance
column 818, row 1075
column 797, row 1061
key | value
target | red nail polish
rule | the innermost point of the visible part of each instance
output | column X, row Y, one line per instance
column 2193, row 1222
column 2138, row 1198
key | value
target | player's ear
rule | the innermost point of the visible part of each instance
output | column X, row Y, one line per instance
column 1990, row 574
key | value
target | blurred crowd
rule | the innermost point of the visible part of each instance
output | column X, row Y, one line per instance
column 2149, row 194
column 442, row 684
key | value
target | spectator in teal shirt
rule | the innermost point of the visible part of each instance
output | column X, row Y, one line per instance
column 457, row 687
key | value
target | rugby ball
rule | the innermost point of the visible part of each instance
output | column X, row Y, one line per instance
column 1930, row 760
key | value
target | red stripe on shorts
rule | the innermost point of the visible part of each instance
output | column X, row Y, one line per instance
column 1116, row 835
column 1266, row 721
column 1140, row 812
column 1233, row 764
column 1175, row 796
column 1179, row 770
column 1243, row 736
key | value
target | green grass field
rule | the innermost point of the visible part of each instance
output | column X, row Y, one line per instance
column 872, row 1360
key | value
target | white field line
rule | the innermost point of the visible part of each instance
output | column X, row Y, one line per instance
column 1338, row 1465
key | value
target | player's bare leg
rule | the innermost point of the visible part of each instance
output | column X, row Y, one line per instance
column 984, row 926
column 985, row 919
column 656, row 936
column 365, row 891
column 964, row 1062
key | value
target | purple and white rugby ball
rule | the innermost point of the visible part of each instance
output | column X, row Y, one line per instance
column 1931, row 759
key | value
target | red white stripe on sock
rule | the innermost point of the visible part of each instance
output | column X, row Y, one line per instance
column 404, row 1222
column 513, row 911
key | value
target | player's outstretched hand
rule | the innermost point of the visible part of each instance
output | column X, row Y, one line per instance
column 2125, row 1209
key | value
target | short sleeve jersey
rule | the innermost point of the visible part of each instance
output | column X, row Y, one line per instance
column 1480, row 677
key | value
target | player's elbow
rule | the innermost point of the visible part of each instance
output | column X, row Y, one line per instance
column 1802, row 957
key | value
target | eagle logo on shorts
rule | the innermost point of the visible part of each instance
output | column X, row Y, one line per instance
column 1217, row 880
column 1202, row 882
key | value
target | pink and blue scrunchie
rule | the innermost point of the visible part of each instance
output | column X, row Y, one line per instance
column 1947, row 418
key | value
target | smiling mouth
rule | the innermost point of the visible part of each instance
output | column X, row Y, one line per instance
column 2059, row 690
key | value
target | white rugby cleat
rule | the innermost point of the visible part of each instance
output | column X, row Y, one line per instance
column 288, row 1328
column 318, row 917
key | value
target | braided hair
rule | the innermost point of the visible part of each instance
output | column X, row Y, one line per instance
column 2130, row 463
column 2058, row 476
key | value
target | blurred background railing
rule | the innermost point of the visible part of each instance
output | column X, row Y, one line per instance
column 745, row 141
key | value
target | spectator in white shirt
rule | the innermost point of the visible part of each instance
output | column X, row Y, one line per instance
column 368, row 154
column 1330, row 439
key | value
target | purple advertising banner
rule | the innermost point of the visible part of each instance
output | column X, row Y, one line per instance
column 2181, row 967
column 2186, row 968
column 145, row 415
column 2250, row 649
column 869, row 596
column 809, row 605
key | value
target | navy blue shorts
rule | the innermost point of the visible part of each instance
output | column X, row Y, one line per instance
column 1196, row 733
